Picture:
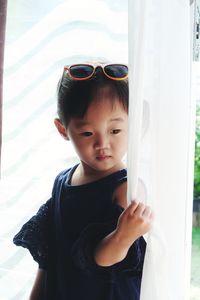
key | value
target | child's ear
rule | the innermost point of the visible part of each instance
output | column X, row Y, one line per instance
column 61, row 128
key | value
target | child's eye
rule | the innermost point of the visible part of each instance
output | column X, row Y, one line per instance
column 115, row 131
column 86, row 133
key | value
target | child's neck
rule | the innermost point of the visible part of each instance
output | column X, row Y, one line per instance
column 84, row 175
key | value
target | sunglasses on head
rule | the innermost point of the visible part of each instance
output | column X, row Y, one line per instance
column 86, row 71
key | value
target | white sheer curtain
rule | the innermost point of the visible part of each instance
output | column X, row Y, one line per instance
column 161, row 139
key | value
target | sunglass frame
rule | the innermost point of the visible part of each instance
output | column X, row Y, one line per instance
column 94, row 66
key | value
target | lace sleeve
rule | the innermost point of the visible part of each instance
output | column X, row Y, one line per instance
column 34, row 235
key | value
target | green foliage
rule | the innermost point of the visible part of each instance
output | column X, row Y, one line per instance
column 196, row 237
column 197, row 156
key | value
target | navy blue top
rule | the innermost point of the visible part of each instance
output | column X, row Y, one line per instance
column 62, row 237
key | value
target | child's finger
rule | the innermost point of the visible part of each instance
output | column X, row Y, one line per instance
column 140, row 209
column 133, row 206
column 147, row 212
column 152, row 215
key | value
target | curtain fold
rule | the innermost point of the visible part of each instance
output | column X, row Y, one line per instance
column 161, row 139
column 3, row 8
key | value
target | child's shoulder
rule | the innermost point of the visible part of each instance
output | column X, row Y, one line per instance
column 120, row 192
column 64, row 174
column 61, row 178
column 120, row 188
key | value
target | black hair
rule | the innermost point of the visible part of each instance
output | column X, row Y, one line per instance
column 74, row 96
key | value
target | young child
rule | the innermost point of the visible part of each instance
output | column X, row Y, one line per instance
column 86, row 239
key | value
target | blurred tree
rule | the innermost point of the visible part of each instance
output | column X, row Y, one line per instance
column 197, row 156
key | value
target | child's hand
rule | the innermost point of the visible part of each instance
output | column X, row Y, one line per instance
column 135, row 221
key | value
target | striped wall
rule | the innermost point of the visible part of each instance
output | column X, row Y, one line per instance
column 41, row 37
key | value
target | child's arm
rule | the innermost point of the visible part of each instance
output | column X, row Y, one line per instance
column 135, row 221
column 38, row 286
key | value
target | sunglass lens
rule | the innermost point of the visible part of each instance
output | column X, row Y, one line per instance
column 81, row 71
column 116, row 71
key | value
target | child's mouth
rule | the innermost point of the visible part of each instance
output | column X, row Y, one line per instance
column 103, row 157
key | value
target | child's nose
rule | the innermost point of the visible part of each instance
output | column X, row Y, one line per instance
column 102, row 142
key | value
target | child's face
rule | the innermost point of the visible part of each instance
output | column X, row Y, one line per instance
column 100, row 137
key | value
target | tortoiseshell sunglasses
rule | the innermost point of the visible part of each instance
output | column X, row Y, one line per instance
column 86, row 71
